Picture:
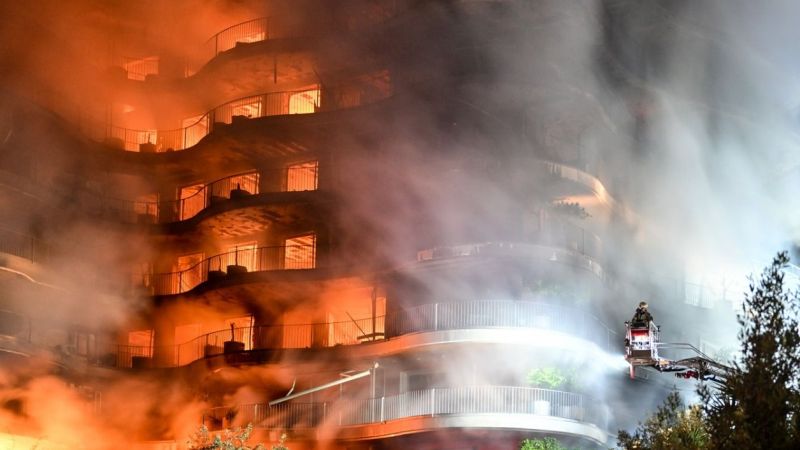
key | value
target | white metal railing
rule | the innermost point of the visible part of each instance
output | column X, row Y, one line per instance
column 423, row 318
column 431, row 402
column 554, row 233
column 498, row 314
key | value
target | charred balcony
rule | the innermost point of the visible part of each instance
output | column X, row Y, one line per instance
column 224, row 267
column 479, row 407
column 197, row 201
column 235, row 38
column 567, row 245
column 312, row 99
column 488, row 322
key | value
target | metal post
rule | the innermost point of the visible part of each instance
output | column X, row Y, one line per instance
column 435, row 316
column 433, row 402
column 374, row 312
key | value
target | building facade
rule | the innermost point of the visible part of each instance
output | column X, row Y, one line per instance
column 399, row 219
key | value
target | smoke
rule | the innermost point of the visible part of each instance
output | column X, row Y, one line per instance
column 686, row 113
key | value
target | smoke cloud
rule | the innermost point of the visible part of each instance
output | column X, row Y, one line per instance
column 685, row 112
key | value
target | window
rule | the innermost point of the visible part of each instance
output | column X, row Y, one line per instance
column 300, row 252
column 247, row 182
column 242, row 330
column 189, row 272
column 139, row 69
column 302, row 176
column 141, row 342
column 251, row 108
column 247, row 107
column 304, row 102
column 192, row 200
column 147, row 206
column 243, row 254
column 194, row 129
column 256, row 35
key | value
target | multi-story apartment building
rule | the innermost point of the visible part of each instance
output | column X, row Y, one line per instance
column 396, row 217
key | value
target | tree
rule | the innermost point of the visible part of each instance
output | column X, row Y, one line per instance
column 671, row 427
column 757, row 407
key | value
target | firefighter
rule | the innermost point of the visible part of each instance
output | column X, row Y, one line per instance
column 642, row 317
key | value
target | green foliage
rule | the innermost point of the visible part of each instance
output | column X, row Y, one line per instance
column 546, row 378
column 671, row 427
column 554, row 378
column 234, row 439
column 759, row 405
column 541, row 444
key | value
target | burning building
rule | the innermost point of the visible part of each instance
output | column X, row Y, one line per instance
column 364, row 224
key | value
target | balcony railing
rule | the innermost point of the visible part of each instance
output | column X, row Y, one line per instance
column 311, row 100
column 268, row 28
column 318, row 335
column 241, row 185
column 498, row 314
column 138, row 68
column 424, row 318
column 261, row 259
column 23, row 246
column 559, row 234
column 432, row 402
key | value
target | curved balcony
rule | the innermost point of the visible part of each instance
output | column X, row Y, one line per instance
column 253, row 31
column 570, row 244
column 312, row 100
column 491, row 407
column 498, row 315
column 545, row 232
column 590, row 182
column 239, row 261
column 297, row 178
column 272, row 28
column 23, row 246
column 261, row 29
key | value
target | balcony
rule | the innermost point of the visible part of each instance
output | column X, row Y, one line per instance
column 237, row 262
column 488, row 407
column 307, row 101
column 194, row 200
column 23, row 246
column 486, row 321
column 257, row 30
column 571, row 245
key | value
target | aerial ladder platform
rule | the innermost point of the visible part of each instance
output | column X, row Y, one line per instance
column 642, row 345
